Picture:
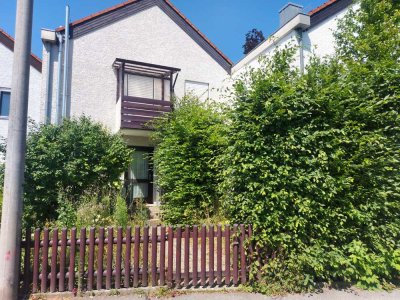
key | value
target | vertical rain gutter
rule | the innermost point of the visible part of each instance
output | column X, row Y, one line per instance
column 66, row 64
column 60, row 44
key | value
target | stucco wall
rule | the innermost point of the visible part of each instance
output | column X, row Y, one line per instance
column 148, row 36
column 6, row 63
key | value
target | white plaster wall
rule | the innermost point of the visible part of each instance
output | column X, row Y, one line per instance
column 6, row 63
column 148, row 36
column 318, row 40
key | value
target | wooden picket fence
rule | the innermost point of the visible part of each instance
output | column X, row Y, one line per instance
column 60, row 260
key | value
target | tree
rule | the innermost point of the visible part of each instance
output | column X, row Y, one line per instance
column 313, row 158
column 189, row 142
column 64, row 162
column 253, row 38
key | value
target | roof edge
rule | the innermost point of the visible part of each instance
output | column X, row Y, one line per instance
column 322, row 7
column 129, row 2
column 8, row 41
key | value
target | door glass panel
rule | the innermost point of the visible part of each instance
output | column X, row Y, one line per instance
column 140, row 165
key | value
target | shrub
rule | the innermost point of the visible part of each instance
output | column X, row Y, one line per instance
column 188, row 143
column 313, row 159
column 121, row 216
column 75, row 158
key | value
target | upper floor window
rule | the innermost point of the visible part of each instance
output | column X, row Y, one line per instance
column 4, row 103
column 147, row 87
column 197, row 89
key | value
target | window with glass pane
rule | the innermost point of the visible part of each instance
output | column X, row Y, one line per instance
column 147, row 87
column 5, row 103
column 141, row 177
column 197, row 89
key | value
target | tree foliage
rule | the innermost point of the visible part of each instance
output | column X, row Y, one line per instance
column 63, row 162
column 253, row 38
column 313, row 159
column 188, row 144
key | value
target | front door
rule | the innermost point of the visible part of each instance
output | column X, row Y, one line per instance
column 140, row 176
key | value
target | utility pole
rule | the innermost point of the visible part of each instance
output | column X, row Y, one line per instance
column 10, row 234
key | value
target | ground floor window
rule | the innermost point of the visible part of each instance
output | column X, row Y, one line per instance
column 4, row 103
column 139, row 177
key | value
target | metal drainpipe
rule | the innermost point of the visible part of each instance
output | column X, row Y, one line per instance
column 47, row 106
column 301, row 49
column 66, row 57
column 60, row 43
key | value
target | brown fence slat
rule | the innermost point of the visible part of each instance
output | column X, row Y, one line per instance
column 63, row 252
column 118, row 259
column 227, row 254
column 235, row 247
column 27, row 259
column 53, row 267
column 186, row 256
column 127, row 266
column 170, row 256
column 100, row 254
column 211, row 256
column 71, row 269
column 195, row 256
column 35, row 281
column 110, row 246
column 203, row 256
column 91, row 259
column 145, row 269
column 82, row 252
column 153, row 256
column 136, row 254
column 178, row 256
column 242, row 255
column 219, row 255
column 45, row 254
column 162, row 256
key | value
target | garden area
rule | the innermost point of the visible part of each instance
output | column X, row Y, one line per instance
column 309, row 159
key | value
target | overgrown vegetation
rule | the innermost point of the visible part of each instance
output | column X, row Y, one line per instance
column 188, row 145
column 313, row 160
column 68, row 162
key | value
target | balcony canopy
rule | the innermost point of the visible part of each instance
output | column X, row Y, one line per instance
column 145, row 69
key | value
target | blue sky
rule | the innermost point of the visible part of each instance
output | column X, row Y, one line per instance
column 224, row 22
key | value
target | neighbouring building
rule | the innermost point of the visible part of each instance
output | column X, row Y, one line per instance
column 122, row 66
column 35, row 81
column 312, row 32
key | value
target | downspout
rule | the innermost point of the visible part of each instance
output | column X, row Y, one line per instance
column 301, row 48
column 60, row 43
column 47, row 107
column 66, row 58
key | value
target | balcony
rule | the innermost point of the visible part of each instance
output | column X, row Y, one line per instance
column 144, row 92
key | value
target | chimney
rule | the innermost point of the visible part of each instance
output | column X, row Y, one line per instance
column 288, row 12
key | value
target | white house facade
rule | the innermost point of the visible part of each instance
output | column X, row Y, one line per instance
column 122, row 68
column 35, row 80
column 312, row 33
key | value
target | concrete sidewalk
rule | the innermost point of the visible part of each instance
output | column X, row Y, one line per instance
column 326, row 294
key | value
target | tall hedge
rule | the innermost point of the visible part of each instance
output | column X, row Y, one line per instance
column 189, row 142
column 313, row 160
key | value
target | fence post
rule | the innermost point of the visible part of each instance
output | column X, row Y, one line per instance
column 72, row 251
column 203, row 256
column 227, row 255
column 61, row 280
column 118, row 259
column 145, row 278
column 242, row 254
column 127, row 267
column 100, row 254
column 178, row 256
column 136, row 254
column 45, row 254
column 82, row 249
column 53, row 272
column 235, row 254
column 162, row 256
column 36, row 261
column 170, row 256
column 195, row 256
column 91, row 259
column 186, row 256
column 211, row 256
column 219, row 255
column 110, row 246
column 153, row 256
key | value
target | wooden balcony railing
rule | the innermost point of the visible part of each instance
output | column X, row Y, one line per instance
column 137, row 112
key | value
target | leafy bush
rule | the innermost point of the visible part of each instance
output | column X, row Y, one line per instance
column 188, row 144
column 121, row 216
column 76, row 158
column 313, row 159
column 93, row 212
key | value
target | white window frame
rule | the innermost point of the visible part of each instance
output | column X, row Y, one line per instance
column 200, row 83
column 8, row 90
